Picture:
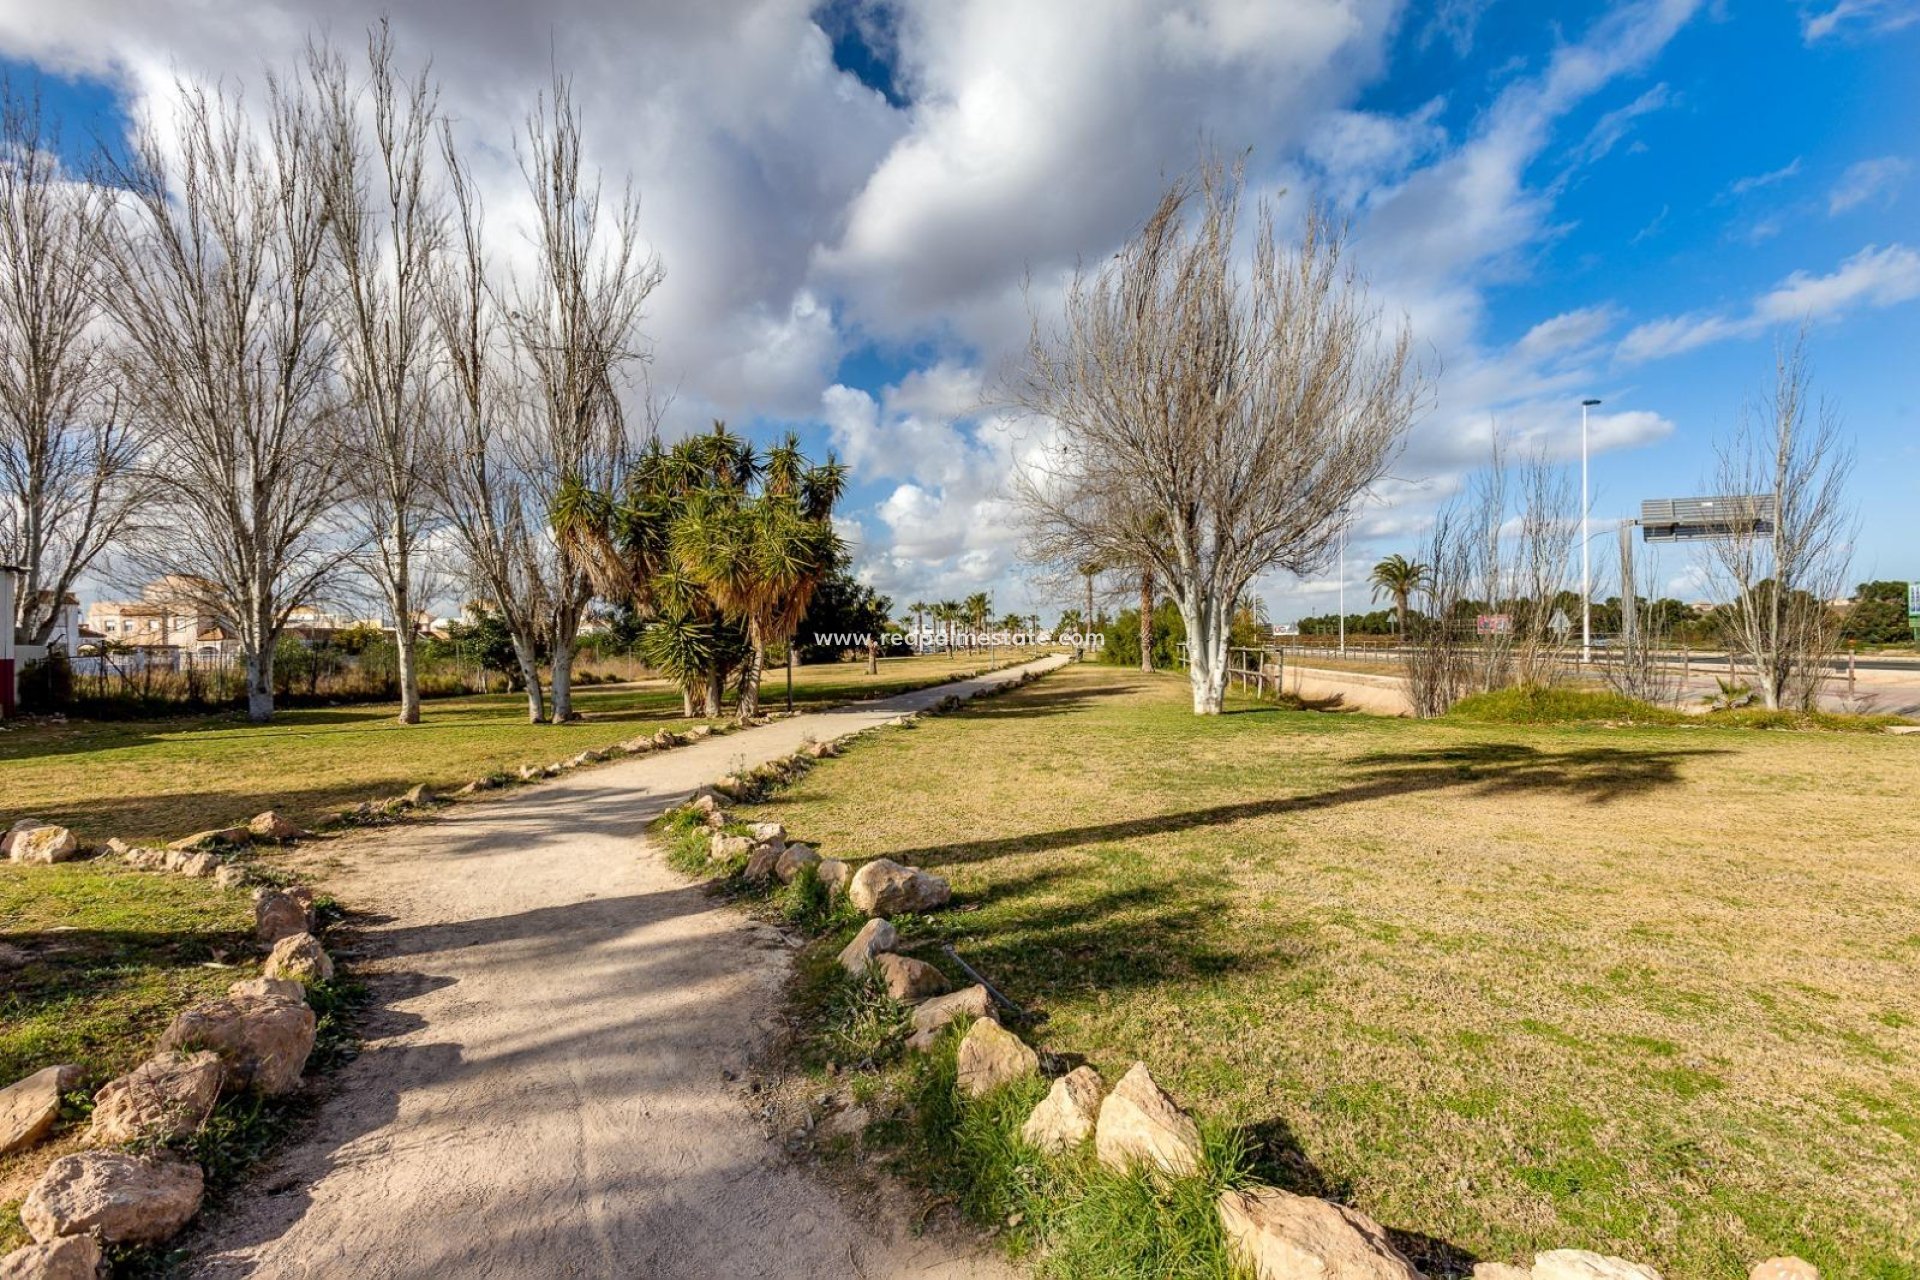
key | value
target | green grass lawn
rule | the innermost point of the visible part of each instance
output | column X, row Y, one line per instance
column 167, row 778
column 1649, row 991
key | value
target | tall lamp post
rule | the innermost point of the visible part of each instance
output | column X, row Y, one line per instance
column 1586, row 552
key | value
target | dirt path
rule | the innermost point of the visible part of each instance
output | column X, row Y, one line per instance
column 542, row 1094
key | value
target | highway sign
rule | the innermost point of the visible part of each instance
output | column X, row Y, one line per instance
column 1560, row 623
column 1493, row 624
column 1913, row 602
column 1690, row 519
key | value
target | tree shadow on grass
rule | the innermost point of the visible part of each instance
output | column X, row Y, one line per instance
column 1595, row 775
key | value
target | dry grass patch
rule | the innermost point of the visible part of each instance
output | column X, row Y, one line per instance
column 1647, row 990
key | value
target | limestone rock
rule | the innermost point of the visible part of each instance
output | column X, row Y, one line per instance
column 820, row 750
column 908, row 979
column 699, row 731
column 635, row 746
column 1580, row 1264
column 1065, row 1117
column 271, row 826
column 41, row 844
column 278, row 915
column 298, row 957
column 229, row 876
column 768, row 831
column 214, row 839
column 763, row 861
column 200, row 866
column 585, row 758
column 1787, row 1268
column 146, row 859
column 68, row 1258
column 267, row 989
column 875, row 936
column 531, row 772
column 933, row 1016
column 417, row 796
column 165, row 1097
column 1139, row 1123
column 992, row 1056
column 121, row 1199
column 792, row 859
column 721, row 846
column 1500, row 1271
column 884, row 888
column 14, row 832
column 263, row 1043
column 1280, row 1236
column 834, row 874
column 29, row 1107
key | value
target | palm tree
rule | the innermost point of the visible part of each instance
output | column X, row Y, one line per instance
column 977, row 607
column 950, row 612
column 1398, row 577
column 918, row 609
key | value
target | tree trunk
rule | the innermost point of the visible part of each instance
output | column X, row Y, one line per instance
column 563, row 680
column 750, row 678
column 260, row 683
column 530, row 676
column 405, row 644
column 1206, row 654
column 1146, row 620
column 716, row 695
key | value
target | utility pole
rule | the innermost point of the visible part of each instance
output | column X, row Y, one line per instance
column 1586, row 552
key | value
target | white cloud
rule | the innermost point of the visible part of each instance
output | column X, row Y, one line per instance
column 1873, row 277
column 1608, row 131
column 1858, row 17
column 1756, row 181
column 1866, row 181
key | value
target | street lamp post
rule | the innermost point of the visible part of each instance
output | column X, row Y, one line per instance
column 1586, row 554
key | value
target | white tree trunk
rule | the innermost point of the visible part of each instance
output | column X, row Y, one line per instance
column 530, row 675
column 1206, row 651
column 260, row 683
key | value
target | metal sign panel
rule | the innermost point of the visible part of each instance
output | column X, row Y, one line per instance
column 1913, row 602
column 1689, row 519
column 1493, row 624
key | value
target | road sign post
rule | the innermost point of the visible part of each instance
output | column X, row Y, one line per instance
column 1913, row 608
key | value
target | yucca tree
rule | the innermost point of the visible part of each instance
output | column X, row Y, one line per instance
column 1398, row 577
column 760, row 552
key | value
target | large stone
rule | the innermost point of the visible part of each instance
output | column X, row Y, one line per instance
column 263, row 1043
column 820, row 750
column 298, row 957
column 147, row 859
column 933, row 1016
column 29, row 1107
column 792, row 859
column 200, row 866
column 271, row 826
column 908, row 979
column 68, row 1258
column 768, row 831
column 121, row 1199
column 1140, row 1124
column 417, row 796
column 1500, row 1271
column 1581, row 1264
column 1277, row 1235
column 165, row 1097
column 875, row 936
column 217, row 838
column 884, row 888
column 13, row 833
column 267, row 989
column 834, row 874
column 1065, row 1117
column 230, row 876
column 763, row 861
column 990, row 1057
column 720, row 846
column 41, row 844
column 278, row 915
column 1787, row 1268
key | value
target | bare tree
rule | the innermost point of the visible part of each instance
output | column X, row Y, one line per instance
column 575, row 323
column 218, row 283
column 67, row 449
column 490, row 506
column 1502, row 546
column 1779, row 575
column 374, row 146
column 1210, row 421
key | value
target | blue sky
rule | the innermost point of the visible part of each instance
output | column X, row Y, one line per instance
column 857, row 204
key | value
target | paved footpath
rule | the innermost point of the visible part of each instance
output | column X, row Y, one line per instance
column 541, row 1094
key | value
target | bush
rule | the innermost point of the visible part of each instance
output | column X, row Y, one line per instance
column 1534, row 704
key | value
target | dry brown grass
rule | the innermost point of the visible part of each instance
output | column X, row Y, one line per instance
column 1648, row 991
